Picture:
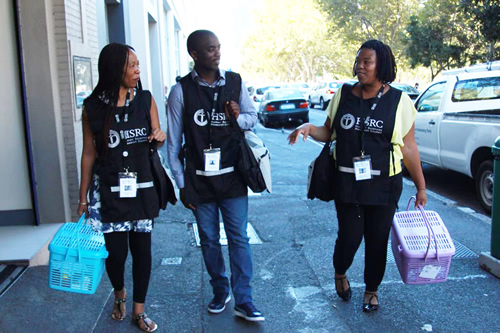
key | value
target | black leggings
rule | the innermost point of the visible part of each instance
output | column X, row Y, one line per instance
column 372, row 222
column 117, row 244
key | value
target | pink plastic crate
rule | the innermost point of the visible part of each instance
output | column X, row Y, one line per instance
column 414, row 240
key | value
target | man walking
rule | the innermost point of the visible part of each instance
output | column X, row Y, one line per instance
column 209, row 107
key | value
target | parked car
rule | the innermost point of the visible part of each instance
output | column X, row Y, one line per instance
column 250, row 89
column 457, row 123
column 283, row 105
column 323, row 93
column 258, row 92
column 304, row 88
column 411, row 91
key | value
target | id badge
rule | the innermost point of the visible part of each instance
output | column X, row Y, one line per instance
column 128, row 184
column 212, row 159
column 362, row 167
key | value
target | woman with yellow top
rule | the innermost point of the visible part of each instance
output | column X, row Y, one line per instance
column 373, row 125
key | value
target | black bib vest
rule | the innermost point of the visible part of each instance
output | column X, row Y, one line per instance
column 130, row 137
column 378, row 131
column 203, row 127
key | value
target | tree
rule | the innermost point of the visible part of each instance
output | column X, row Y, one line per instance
column 486, row 14
column 360, row 20
column 440, row 41
column 291, row 42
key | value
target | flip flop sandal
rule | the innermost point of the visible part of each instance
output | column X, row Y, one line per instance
column 117, row 308
column 149, row 325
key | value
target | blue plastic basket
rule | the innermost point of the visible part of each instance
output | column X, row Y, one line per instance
column 77, row 255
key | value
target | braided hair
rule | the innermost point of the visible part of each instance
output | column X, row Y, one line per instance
column 386, row 64
column 104, row 98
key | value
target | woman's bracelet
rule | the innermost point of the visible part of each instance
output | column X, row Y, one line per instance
column 82, row 203
column 420, row 189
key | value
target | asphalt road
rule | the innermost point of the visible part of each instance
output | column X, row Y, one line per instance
column 454, row 186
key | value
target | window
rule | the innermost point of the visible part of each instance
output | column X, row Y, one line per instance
column 284, row 94
column 82, row 71
column 431, row 98
column 477, row 89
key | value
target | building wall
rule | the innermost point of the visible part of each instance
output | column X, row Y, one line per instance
column 53, row 33
column 44, row 108
column 79, row 21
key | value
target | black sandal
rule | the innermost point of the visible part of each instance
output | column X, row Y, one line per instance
column 119, row 309
column 370, row 307
column 345, row 294
column 149, row 325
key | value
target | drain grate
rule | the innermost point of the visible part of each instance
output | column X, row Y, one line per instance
column 9, row 275
column 252, row 234
column 461, row 252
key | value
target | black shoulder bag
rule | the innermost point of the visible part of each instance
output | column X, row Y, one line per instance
column 321, row 180
column 162, row 183
column 247, row 165
column 322, row 170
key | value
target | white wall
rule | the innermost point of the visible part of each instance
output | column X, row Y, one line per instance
column 15, row 191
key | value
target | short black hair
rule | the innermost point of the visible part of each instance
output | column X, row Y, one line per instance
column 386, row 64
column 195, row 37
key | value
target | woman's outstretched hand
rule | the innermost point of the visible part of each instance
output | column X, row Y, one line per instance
column 304, row 130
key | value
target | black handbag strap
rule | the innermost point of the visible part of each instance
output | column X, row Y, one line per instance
column 153, row 146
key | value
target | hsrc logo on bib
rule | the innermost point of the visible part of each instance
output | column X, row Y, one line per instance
column 114, row 139
column 347, row 121
column 200, row 118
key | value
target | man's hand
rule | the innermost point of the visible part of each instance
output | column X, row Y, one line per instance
column 183, row 199
column 232, row 108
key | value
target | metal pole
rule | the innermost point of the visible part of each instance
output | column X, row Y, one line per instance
column 495, row 215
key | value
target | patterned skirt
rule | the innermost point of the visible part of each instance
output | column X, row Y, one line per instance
column 105, row 227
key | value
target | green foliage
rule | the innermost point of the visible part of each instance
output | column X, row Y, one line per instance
column 360, row 20
column 302, row 40
column 448, row 40
column 486, row 16
column 291, row 42
column 432, row 39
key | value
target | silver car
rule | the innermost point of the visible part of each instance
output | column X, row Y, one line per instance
column 323, row 93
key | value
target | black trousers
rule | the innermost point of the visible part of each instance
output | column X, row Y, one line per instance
column 374, row 224
column 117, row 244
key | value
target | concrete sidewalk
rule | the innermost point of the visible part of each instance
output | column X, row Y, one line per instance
column 178, row 295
